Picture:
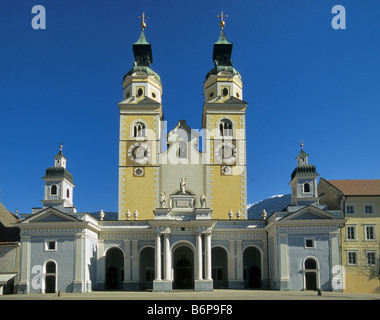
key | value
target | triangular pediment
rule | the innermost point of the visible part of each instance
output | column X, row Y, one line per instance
column 50, row 215
column 309, row 213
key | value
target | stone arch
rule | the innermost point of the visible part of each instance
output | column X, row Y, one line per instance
column 146, row 258
column 50, row 276
column 219, row 265
column 252, row 267
column 183, row 265
column 114, row 268
column 310, row 271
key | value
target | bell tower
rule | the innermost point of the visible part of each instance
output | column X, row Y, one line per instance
column 59, row 185
column 304, row 182
column 140, row 133
column 224, row 123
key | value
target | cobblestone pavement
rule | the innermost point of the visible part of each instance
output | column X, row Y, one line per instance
column 223, row 295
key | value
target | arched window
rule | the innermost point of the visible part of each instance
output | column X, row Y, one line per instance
column 310, row 264
column 50, row 267
column 182, row 149
column 53, row 190
column 306, row 187
column 225, row 128
column 139, row 130
column 67, row 193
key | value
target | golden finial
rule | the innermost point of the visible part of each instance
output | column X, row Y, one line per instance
column 222, row 22
column 143, row 24
column 60, row 146
column 301, row 144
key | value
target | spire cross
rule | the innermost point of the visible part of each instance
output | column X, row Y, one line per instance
column 143, row 24
column 222, row 22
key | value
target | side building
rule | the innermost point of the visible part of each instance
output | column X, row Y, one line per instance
column 304, row 238
column 360, row 202
column 9, row 251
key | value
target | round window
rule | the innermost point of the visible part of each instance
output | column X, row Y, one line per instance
column 225, row 92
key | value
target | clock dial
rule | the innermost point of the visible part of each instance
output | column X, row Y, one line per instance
column 139, row 153
column 226, row 153
column 139, row 171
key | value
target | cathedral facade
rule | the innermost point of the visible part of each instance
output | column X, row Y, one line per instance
column 182, row 214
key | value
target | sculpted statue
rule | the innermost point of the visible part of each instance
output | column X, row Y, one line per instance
column 163, row 200
column 182, row 185
column 203, row 200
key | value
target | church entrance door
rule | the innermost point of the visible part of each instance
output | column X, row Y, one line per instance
column 252, row 268
column 183, row 268
column 114, row 269
column 219, row 267
column 50, row 277
column 311, row 281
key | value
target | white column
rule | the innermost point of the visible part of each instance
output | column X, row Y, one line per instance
column 158, row 257
column 239, row 260
column 168, row 258
column 135, row 260
column 25, row 264
column 101, row 266
column 199, row 275
column 127, row 260
column 208, row 256
column 231, row 261
column 79, row 261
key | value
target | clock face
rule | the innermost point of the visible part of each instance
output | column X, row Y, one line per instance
column 139, row 153
column 138, row 172
column 226, row 152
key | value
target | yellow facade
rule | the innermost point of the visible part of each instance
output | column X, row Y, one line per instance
column 358, row 242
column 143, row 180
column 226, row 191
column 138, row 180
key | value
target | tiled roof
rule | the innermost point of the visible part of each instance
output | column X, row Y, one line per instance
column 357, row 187
column 8, row 233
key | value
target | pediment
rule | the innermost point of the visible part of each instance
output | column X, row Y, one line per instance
column 310, row 213
column 50, row 215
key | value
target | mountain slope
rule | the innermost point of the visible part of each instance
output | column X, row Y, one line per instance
column 272, row 204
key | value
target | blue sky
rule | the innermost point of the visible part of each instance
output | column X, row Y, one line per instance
column 302, row 80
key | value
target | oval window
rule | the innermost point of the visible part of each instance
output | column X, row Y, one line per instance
column 225, row 92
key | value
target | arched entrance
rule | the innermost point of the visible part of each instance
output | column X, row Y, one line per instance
column 310, row 271
column 50, row 277
column 252, row 268
column 219, row 267
column 183, row 262
column 147, row 268
column 114, row 269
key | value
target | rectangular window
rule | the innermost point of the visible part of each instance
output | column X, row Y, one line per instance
column 352, row 258
column 351, row 234
column 309, row 243
column 371, row 258
column 50, row 245
column 369, row 232
column 350, row 209
column 369, row 208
